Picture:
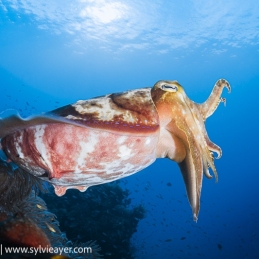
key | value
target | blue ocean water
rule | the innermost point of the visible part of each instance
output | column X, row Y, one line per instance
column 53, row 54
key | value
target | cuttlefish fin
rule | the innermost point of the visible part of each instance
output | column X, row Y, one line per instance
column 15, row 122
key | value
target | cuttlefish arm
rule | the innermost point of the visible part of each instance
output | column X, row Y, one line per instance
column 207, row 108
column 211, row 104
column 192, row 169
column 188, row 144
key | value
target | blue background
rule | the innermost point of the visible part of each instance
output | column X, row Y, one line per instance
column 56, row 52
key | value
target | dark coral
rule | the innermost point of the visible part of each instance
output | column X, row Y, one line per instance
column 102, row 213
column 15, row 185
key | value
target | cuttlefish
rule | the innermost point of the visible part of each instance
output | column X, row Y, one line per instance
column 106, row 138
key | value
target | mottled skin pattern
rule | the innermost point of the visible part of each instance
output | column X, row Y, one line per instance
column 92, row 142
column 106, row 138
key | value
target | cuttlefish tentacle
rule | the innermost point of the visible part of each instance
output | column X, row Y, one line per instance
column 210, row 105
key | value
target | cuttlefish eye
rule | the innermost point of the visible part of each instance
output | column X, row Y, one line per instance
column 169, row 87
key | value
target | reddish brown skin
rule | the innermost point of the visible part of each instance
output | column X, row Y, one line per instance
column 63, row 144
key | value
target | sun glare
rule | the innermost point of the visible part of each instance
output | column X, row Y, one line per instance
column 103, row 12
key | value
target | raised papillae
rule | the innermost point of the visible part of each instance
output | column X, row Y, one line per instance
column 107, row 138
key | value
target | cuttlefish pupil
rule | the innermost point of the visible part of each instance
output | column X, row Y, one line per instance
column 169, row 87
column 183, row 136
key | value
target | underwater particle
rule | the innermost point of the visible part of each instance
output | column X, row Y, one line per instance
column 182, row 238
column 168, row 240
column 219, row 246
column 23, row 232
column 169, row 184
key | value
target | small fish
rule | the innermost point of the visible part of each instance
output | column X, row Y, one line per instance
column 41, row 207
column 219, row 246
column 168, row 240
column 169, row 184
column 50, row 228
column 182, row 238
